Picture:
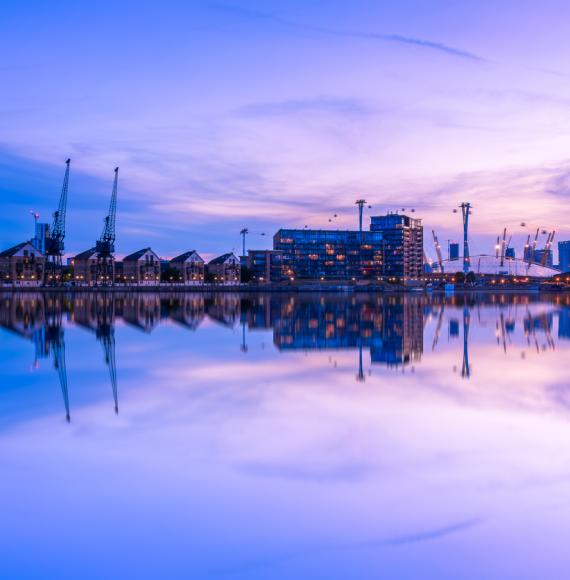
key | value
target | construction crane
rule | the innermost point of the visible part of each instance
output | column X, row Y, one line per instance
column 438, row 252
column 547, row 247
column 508, row 244
column 105, row 245
column 245, row 232
column 503, row 247
column 532, row 249
column 56, row 235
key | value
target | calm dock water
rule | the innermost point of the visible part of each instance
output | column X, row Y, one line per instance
column 284, row 435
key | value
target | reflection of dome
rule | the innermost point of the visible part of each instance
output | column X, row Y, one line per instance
column 483, row 264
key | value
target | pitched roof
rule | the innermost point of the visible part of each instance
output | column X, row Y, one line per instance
column 14, row 249
column 136, row 255
column 183, row 257
column 221, row 259
column 85, row 255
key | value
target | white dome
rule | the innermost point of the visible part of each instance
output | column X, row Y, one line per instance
column 483, row 264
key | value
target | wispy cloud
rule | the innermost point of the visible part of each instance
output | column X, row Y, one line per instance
column 383, row 37
column 414, row 538
column 328, row 105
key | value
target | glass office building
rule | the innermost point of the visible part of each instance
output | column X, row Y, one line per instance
column 330, row 254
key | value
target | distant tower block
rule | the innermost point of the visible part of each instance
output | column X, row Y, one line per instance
column 454, row 251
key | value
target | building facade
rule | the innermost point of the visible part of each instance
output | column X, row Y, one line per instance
column 403, row 239
column 265, row 265
column 330, row 254
column 22, row 265
column 190, row 268
column 84, row 268
column 564, row 255
column 225, row 269
column 142, row 268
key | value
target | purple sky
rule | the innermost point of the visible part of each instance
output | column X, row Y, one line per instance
column 270, row 114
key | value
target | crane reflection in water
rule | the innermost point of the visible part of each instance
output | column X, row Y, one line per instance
column 384, row 331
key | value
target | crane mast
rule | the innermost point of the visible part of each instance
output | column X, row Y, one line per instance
column 105, row 245
column 56, row 236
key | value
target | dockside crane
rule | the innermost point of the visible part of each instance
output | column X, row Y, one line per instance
column 105, row 245
column 56, row 235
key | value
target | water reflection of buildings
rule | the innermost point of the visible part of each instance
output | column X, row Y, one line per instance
column 39, row 319
column 390, row 327
column 385, row 330
column 538, row 322
column 98, row 316
column 564, row 324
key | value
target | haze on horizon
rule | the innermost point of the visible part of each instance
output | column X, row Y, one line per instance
column 281, row 113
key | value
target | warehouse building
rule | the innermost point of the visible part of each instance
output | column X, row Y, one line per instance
column 84, row 267
column 189, row 267
column 142, row 267
column 22, row 265
column 225, row 269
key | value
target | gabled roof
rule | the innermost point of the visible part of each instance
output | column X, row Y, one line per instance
column 15, row 249
column 85, row 255
column 183, row 257
column 136, row 255
column 222, row 259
